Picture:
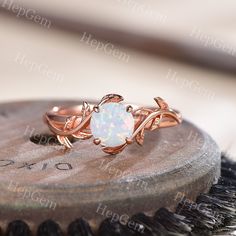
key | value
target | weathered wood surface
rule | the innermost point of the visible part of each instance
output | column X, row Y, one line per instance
column 38, row 180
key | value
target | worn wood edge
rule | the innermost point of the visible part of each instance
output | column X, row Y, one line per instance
column 214, row 151
column 210, row 151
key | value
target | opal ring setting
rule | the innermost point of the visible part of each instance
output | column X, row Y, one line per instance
column 111, row 123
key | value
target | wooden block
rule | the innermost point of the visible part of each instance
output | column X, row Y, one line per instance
column 39, row 180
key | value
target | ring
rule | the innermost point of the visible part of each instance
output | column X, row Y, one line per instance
column 111, row 123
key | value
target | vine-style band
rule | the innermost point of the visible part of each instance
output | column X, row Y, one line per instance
column 113, row 124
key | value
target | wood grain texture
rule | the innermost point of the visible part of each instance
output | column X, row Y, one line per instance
column 39, row 180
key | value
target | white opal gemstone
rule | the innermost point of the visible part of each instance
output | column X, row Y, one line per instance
column 112, row 124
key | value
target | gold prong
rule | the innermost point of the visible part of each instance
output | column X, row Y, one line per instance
column 128, row 140
column 96, row 108
column 129, row 109
column 97, row 141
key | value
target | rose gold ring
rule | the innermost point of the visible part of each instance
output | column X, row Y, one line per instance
column 111, row 123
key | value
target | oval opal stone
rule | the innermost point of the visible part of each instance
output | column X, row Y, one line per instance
column 112, row 124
